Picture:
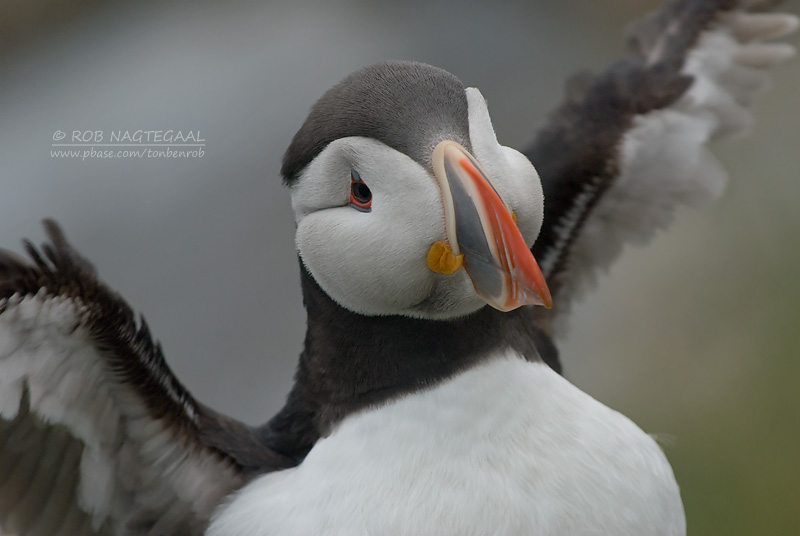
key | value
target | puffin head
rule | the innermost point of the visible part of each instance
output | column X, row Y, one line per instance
column 406, row 204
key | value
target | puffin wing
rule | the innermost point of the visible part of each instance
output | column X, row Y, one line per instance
column 97, row 436
column 629, row 145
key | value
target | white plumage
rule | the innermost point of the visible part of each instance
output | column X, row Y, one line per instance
column 506, row 448
column 379, row 436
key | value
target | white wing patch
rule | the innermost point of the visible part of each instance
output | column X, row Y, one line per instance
column 664, row 159
column 43, row 348
column 135, row 474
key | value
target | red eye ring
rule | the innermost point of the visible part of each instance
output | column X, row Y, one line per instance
column 360, row 194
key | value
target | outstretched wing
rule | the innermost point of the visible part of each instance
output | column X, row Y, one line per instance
column 628, row 146
column 96, row 434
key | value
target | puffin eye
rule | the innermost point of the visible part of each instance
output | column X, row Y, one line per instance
column 360, row 196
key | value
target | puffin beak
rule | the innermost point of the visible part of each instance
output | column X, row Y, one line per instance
column 480, row 226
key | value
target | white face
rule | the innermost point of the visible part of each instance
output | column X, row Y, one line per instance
column 374, row 263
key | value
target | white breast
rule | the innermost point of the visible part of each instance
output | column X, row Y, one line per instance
column 506, row 448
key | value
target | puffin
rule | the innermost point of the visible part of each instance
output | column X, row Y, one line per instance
column 437, row 268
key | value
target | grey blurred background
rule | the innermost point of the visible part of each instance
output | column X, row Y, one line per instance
column 695, row 337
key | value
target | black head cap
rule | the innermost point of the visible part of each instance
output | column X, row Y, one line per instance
column 408, row 106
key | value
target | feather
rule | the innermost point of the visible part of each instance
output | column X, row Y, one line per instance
column 96, row 434
column 629, row 146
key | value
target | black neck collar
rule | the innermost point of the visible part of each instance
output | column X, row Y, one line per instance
column 351, row 361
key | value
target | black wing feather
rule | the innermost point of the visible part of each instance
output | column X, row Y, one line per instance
column 40, row 459
column 580, row 153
